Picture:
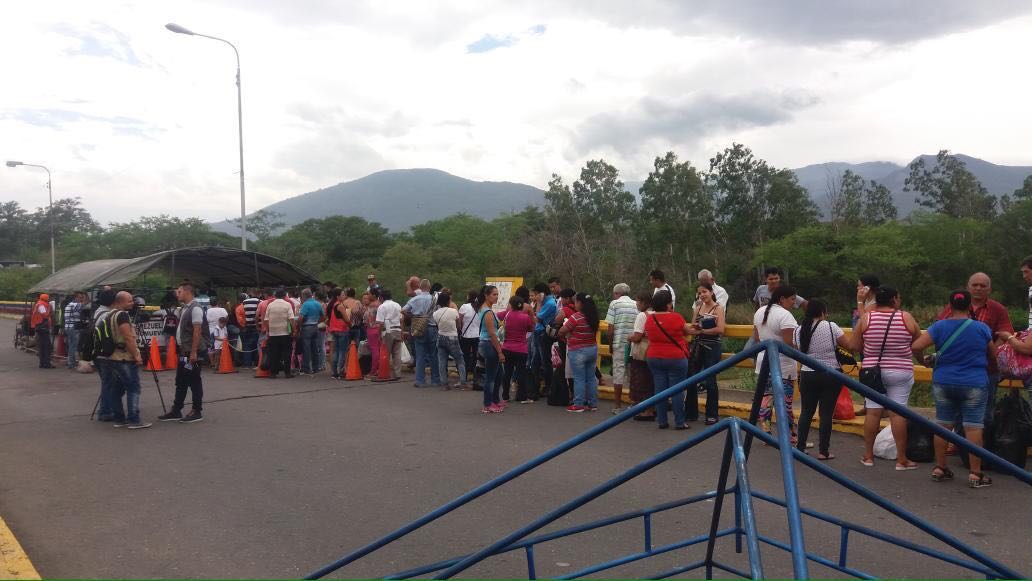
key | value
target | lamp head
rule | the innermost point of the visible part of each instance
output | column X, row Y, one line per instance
column 14, row 163
column 178, row 29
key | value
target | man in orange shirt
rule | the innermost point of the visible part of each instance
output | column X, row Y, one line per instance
column 42, row 321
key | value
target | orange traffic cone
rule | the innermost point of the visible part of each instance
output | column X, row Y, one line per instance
column 226, row 361
column 385, row 365
column 154, row 361
column 258, row 371
column 354, row 369
column 171, row 357
column 59, row 346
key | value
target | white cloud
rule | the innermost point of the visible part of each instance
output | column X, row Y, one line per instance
column 137, row 120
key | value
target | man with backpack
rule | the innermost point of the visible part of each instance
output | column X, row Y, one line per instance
column 125, row 361
column 193, row 337
column 90, row 349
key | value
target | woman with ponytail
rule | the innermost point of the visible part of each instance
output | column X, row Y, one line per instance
column 818, row 338
column 579, row 330
column 490, row 347
column 774, row 322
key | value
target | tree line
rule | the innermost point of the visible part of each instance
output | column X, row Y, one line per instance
column 734, row 216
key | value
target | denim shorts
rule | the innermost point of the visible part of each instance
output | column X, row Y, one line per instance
column 963, row 400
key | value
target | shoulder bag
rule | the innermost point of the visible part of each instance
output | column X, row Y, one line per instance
column 1014, row 365
column 843, row 356
column 871, row 376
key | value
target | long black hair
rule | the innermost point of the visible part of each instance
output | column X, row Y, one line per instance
column 814, row 308
column 589, row 310
column 482, row 296
column 782, row 292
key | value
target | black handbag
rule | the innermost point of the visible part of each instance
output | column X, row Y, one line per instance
column 844, row 357
column 871, row 376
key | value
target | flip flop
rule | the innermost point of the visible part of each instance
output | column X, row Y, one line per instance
column 867, row 462
column 828, row 457
column 908, row 466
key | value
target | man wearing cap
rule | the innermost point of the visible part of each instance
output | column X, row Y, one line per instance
column 371, row 282
column 42, row 321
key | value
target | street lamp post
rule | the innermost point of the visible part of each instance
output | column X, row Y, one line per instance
column 240, row 124
column 50, row 196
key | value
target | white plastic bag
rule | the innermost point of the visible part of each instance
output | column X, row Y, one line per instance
column 884, row 444
column 406, row 357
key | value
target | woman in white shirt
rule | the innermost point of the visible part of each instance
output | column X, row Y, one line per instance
column 447, row 319
column 775, row 322
column 469, row 336
column 818, row 338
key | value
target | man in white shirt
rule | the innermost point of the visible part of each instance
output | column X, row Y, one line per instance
column 719, row 293
column 215, row 312
column 658, row 281
column 278, row 325
column 388, row 318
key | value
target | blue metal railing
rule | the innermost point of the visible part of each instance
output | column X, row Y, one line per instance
column 736, row 451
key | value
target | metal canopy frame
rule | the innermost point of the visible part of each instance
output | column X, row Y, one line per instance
column 737, row 444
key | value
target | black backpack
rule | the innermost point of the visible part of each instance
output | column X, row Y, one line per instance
column 100, row 342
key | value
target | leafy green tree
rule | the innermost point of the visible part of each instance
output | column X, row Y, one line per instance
column 879, row 206
column 339, row 242
column 676, row 222
column 262, row 224
column 949, row 188
column 14, row 230
column 847, row 199
column 69, row 217
column 1025, row 191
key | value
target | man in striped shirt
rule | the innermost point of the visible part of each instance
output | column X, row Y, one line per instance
column 621, row 315
column 249, row 328
column 73, row 327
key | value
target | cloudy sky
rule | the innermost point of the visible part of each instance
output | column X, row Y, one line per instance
column 139, row 121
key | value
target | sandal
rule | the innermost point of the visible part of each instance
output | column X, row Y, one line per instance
column 829, row 456
column 867, row 462
column 907, row 466
column 944, row 474
column 980, row 480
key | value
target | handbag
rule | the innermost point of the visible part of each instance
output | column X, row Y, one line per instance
column 843, row 356
column 417, row 328
column 1014, row 365
column 871, row 376
column 639, row 349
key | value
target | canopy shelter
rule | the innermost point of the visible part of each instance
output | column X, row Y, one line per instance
column 211, row 266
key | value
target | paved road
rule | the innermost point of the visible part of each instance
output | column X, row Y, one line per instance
column 286, row 475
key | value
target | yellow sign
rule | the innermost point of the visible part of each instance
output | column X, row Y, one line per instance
column 507, row 285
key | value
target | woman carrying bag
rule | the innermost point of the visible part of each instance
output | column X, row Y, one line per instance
column 707, row 328
column 667, row 357
column 639, row 376
column 819, row 338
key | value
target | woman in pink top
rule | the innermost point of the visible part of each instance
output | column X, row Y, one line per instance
column 518, row 322
column 884, row 335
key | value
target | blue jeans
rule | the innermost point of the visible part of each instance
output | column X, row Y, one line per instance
column 667, row 373
column 585, row 384
column 341, row 343
column 309, row 348
column 249, row 338
column 450, row 346
column 487, row 351
column 72, row 345
column 426, row 352
column 106, row 382
column 126, row 376
column 963, row 401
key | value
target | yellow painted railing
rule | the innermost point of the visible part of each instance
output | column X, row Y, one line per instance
column 921, row 373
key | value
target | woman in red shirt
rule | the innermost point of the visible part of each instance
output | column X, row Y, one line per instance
column 582, row 351
column 667, row 355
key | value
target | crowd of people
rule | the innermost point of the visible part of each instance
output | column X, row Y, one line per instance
column 545, row 340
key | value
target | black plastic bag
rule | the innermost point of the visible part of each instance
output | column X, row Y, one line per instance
column 920, row 445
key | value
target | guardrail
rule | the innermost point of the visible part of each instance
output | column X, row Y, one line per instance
column 922, row 374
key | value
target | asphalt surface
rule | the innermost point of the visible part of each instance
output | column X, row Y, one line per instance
column 284, row 476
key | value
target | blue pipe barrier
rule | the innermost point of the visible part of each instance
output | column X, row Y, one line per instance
column 743, row 494
column 736, row 450
column 795, row 520
column 1001, row 570
column 581, row 500
column 581, row 528
column 999, row 464
column 535, row 462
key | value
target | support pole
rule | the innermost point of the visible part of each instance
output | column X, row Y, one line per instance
column 744, row 492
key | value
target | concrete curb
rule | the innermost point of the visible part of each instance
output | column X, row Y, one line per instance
column 14, row 563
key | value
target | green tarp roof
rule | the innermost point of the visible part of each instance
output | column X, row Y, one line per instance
column 213, row 266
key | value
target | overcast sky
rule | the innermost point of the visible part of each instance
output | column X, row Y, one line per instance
column 139, row 121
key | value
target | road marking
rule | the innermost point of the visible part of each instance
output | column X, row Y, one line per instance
column 14, row 563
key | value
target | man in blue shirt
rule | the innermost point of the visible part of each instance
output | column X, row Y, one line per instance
column 311, row 315
column 542, row 347
column 423, row 331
